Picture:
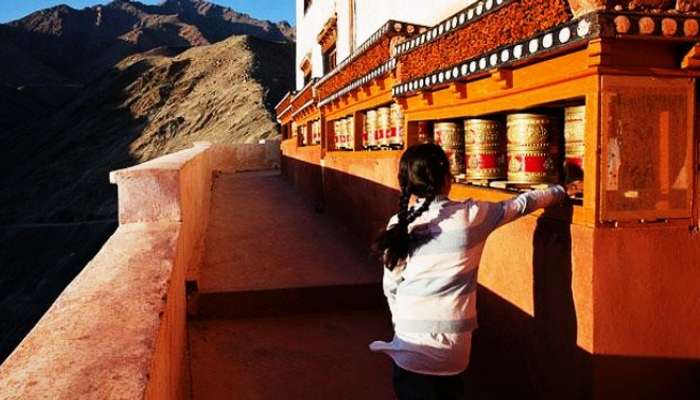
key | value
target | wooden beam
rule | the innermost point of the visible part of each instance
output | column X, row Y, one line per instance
column 598, row 52
column 427, row 97
column 381, row 83
column 403, row 102
column 503, row 77
column 459, row 90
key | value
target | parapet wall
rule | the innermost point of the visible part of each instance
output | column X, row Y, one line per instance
column 119, row 329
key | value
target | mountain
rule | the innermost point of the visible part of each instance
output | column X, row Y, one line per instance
column 82, row 44
column 148, row 104
column 57, row 51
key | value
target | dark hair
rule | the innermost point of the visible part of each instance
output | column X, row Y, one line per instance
column 423, row 172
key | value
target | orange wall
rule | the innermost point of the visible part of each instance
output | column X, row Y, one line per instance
column 566, row 309
column 647, row 286
column 647, row 302
column 302, row 167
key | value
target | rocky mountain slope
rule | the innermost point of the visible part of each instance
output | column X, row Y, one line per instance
column 80, row 45
column 57, row 51
column 149, row 104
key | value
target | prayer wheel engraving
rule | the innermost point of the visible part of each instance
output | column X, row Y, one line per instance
column 395, row 136
column 449, row 136
column 531, row 149
column 574, row 135
column 371, row 127
column 383, row 126
column 484, row 149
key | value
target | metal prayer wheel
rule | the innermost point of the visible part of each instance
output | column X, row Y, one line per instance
column 448, row 135
column 395, row 135
column 531, row 149
column 337, row 134
column 484, row 149
column 383, row 126
column 350, row 133
column 371, row 128
column 344, row 134
column 574, row 135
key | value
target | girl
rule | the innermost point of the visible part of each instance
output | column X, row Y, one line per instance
column 431, row 254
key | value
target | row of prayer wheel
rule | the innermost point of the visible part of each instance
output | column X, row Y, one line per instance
column 344, row 133
column 383, row 128
column 524, row 151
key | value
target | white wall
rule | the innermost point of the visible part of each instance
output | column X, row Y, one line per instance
column 370, row 16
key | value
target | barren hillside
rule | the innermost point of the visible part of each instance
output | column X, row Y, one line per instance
column 148, row 105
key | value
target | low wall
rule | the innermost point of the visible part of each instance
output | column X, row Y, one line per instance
column 245, row 157
column 302, row 167
column 118, row 330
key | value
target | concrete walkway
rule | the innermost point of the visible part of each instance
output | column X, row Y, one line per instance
column 288, row 301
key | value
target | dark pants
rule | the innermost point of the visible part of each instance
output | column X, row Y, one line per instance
column 412, row 386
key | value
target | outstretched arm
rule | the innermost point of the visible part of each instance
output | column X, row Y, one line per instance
column 528, row 202
column 487, row 216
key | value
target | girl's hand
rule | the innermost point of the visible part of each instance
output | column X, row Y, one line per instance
column 574, row 188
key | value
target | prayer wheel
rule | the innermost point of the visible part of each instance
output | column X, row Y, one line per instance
column 484, row 149
column 383, row 126
column 350, row 133
column 395, row 136
column 449, row 136
column 371, row 127
column 531, row 149
column 338, row 134
column 574, row 135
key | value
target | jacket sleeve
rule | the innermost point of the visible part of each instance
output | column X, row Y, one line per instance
column 485, row 217
column 528, row 202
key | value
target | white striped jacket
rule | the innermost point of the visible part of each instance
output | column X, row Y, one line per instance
column 432, row 295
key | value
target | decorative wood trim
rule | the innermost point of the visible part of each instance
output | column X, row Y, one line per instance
column 329, row 34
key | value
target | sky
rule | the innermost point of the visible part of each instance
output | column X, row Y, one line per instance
column 273, row 10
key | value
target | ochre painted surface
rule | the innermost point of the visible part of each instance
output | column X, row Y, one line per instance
column 304, row 356
column 105, row 336
column 646, row 288
column 302, row 167
column 263, row 236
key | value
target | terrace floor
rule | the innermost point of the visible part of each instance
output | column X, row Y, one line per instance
column 281, row 317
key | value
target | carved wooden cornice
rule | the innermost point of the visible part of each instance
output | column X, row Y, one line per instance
column 329, row 33
column 305, row 64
